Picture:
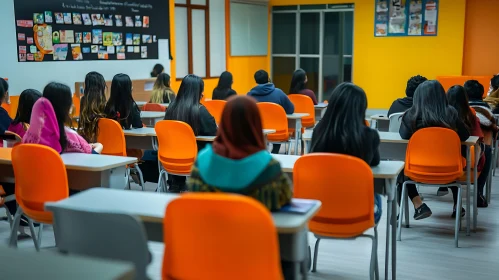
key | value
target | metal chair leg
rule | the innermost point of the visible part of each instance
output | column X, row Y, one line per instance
column 289, row 148
column 9, row 216
column 403, row 201
column 160, row 181
column 458, row 217
column 40, row 231
column 316, row 252
column 127, row 178
column 374, row 269
column 33, row 233
column 406, row 215
column 15, row 227
column 141, row 177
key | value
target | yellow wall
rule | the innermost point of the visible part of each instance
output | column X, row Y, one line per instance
column 381, row 66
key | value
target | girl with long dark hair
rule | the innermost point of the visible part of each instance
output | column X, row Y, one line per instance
column 299, row 85
column 27, row 100
column 342, row 130
column 224, row 88
column 430, row 109
column 93, row 103
column 121, row 106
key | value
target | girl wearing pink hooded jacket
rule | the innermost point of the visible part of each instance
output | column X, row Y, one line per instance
column 48, row 119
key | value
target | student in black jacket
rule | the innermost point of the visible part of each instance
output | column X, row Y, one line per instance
column 430, row 109
column 5, row 119
column 121, row 106
column 187, row 108
column 342, row 130
column 475, row 92
column 403, row 104
column 224, row 88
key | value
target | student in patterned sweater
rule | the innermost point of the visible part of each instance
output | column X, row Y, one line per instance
column 238, row 161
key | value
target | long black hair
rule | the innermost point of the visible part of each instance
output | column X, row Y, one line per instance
column 221, row 92
column 458, row 99
column 430, row 106
column 121, row 100
column 343, row 122
column 60, row 97
column 156, row 70
column 26, row 101
column 298, row 82
column 186, row 105
column 93, row 103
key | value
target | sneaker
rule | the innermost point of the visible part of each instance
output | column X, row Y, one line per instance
column 463, row 213
column 442, row 191
column 481, row 202
column 422, row 212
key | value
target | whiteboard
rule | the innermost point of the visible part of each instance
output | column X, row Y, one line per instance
column 249, row 28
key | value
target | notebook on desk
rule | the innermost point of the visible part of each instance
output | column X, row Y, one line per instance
column 298, row 206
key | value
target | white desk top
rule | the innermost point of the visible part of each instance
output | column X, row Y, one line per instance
column 22, row 264
column 149, row 131
column 385, row 169
column 151, row 115
column 379, row 117
column 296, row 116
column 321, row 106
column 150, row 207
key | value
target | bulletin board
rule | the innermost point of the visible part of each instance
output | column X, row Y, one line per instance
column 406, row 18
column 78, row 30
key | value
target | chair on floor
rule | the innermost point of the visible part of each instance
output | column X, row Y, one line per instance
column 395, row 121
column 234, row 238
column 433, row 159
column 215, row 107
column 304, row 104
column 37, row 182
column 347, row 210
column 274, row 117
column 103, row 235
column 112, row 137
column 177, row 150
column 153, row 107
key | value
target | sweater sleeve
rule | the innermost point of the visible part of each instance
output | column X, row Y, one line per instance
column 208, row 124
column 134, row 118
column 405, row 129
column 287, row 104
column 310, row 94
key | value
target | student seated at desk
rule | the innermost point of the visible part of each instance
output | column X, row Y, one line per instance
column 403, row 104
column 161, row 92
column 27, row 100
column 238, row 161
column 493, row 98
column 299, row 85
column 92, row 106
column 5, row 119
column 430, row 109
column 475, row 92
column 187, row 108
column 342, row 130
column 224, row 88
column 48, row 119
column 121, row 106
column 156, row 70
column 458, row 99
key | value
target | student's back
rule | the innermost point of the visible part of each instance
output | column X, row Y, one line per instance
column 93, row 103
column 298, row 85
column 5, row 119
column 266, row 91
column 224, row 88
column 403, row 104
column 21, row 122
column 121, row 106
column 238, row 162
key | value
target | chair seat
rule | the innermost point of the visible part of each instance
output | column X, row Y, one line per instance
column 346, row 230
column 177, row 166
column 42, row 217
column 279, row 136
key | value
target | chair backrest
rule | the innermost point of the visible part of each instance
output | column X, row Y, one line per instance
column 274, row 117
column 102, row 235
column 111, row 136
column 40, row 177
column 177, row 147
column 233, row 238
column 153, row 107
column 304, row 104
column 345, row 186
column 395, row 121
column 216, row 108
column 9, row 139
column 434, row 156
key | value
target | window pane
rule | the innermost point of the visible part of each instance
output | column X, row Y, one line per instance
column 284, row 8
column 311, row 66
column 347, row 69
column 309, row 33
column 198, row 43
column 198, row 2
column 313, row 7
column 348, row 35
column 284, row 33
column 332, row 33
column 180, row 2
column 181, row 42
column 332, row 69
column 217, row 38
column 283, row 68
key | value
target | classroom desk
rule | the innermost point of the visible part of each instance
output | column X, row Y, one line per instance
column 296, row 120
column 142, row 103
column 388, row 171
column 381, row 122
column 84, row 170
column 22, row 264
column 393, row 147
column 320, row 109
column 151, row 118
column 150, row 208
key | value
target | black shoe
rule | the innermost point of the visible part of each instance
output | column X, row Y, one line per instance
column 422, row 212
column 442, row 191
column 463, row 213
column 481, row 202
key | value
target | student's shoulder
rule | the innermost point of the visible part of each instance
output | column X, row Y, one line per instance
column 371, row 134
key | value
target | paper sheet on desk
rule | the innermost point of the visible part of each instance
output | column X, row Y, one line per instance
column 298, row 206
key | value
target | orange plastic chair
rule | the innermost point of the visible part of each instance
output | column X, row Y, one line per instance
column 177, row 149
column 153, row 107
column 112, row 138
column 274, row 117
column 433, row 159
column 215, row 107
column 304, row 104
column 347, row 205
column 37, row 182
column 234, row 238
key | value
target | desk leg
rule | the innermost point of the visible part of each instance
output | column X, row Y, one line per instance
column 468, row 189
column 393, row 185
column 475, row 188
column 306, row 149
column 389, row 215
column 297, row 134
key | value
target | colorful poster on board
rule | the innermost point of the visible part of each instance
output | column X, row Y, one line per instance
column 415, row 17
column 430, row 17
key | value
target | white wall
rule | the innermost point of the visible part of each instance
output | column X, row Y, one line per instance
column 23, row 75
